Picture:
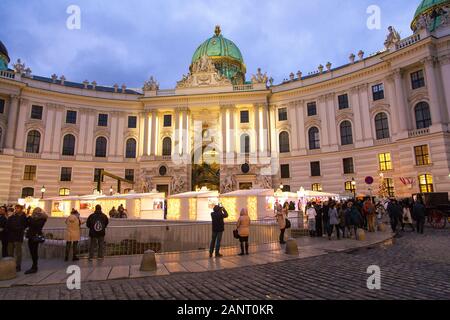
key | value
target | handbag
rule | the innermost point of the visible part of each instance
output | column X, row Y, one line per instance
column 236, row 234
column 38, row 238
column 288, row 224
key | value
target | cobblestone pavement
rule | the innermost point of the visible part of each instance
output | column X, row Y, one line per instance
column 415, row 267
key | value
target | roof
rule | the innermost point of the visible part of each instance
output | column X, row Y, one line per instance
column 249, row 193
column 4, row 51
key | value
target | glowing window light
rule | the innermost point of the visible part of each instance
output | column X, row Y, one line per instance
column 252, row 207
column 230, row 205
column 137, row 208
column 193, row 209
column 173, row 209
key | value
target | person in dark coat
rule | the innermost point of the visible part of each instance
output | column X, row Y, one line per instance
column 15, row 229
column 395, row 213
column 3, row 234
column 319, row 222
column 355, row 217
column 218, row 227
column 97, row 223
column 326, row 217
column 35, row 224
column 419, row 213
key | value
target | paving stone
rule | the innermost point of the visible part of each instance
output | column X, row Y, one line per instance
column 119, row 272
column 99, row 274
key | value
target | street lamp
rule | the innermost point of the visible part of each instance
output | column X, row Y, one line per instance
column 354, row 188
column 42, row 192
column 281, row 187
column 111, row 190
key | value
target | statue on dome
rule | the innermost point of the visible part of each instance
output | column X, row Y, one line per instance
column 259, row 77
column 151, row 85
column 20, row 67
column 393, row 38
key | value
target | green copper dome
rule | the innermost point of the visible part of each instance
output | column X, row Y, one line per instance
column 427, row 6
column 225, row 55
column 4, row 57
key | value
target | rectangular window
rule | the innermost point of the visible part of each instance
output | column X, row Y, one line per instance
column 426, row 183
column 71, row 117
column 245, row 118
column 422, row 155
column 389, row 183
column 378, row 92
column 312, row 109
column 36, row 112
column 317, row 187
column 343, row 102
column 129, row 174
column 2, row 106
column 167, row 120
column 132, row 122
column 29, row 173
column 285, row 172
column 315, row 169
column 417, row 80
column 66, row 174
column 350, row 186
column 348, row 166
column 385, row 161
column 282, row 114
column 97, row 175
column 102, row 120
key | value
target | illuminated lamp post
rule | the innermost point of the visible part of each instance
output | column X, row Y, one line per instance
column 42, row 192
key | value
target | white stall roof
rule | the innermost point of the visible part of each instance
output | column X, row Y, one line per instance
column 93, row 197
column 196, row 194
column 309, row 193
column 250, row 193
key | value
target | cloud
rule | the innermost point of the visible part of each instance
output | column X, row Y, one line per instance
column 127, row 41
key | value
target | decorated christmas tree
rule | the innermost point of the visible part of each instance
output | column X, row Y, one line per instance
column 382, row 189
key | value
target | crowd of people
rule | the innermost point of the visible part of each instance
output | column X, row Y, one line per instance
column 119, row 213
column 18, row 225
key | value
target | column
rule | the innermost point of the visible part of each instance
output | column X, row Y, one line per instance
column 186, row 148
column 22, row 118
column 292, row 115
column 120, row 134
column 331, row 110
column 57, row 129
column 354, row 96
column 232, row 129
column 394, row 123
column 323, row 114
column 177, row 135
column 13, row 113
column 256, row 125
column 265, row 130
column 83, row 130
column 92, row 117
column 402, row 110
column 273, row 131
column 300, row 123
column 49, row 123
column 113, row 137
column 223, row 126
column 445, row 73
column 153, row 133
column 432, row 86
column 144, row 133
column 365, row 112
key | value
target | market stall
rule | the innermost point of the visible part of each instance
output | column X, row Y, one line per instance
column 259, row 203
column 192, row 206
column 305, row 196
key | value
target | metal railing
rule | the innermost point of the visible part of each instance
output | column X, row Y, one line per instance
column 164, row 238
column 243, row 87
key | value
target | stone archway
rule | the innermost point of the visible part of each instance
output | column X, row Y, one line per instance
column 206, row 168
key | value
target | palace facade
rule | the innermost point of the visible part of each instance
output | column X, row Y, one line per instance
column 384, row 115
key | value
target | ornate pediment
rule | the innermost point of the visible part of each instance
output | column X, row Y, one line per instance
column 204, row 74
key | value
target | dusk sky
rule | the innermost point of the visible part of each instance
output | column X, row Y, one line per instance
column 126, row 42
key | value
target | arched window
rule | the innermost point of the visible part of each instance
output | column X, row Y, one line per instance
column 33, row 141
column 284, row 142
column 423, row 115
column 131, row 149
column 382, row 126
column 245, row 144
column 27, row 192
column 314, row 138
column 68, row 145
column 346, row 133
column 167, row 147
column 100, row 147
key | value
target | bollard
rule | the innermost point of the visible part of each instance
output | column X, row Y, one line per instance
column 148, row 261
column 291, row 247
column 361, row 235
column 7, row 269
